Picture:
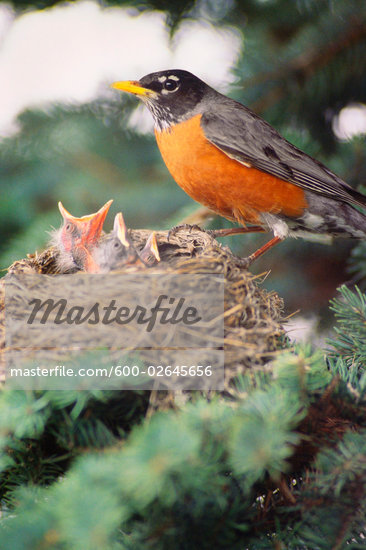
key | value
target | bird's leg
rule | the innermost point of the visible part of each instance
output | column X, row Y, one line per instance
column 235, row 231
column 246, row 262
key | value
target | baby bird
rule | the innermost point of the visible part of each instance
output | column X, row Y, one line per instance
column 77, row 238
column 116, row 251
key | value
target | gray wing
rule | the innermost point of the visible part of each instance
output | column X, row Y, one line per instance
column 247, row 138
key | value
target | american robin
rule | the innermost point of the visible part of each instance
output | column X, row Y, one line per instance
column 232, row 161
column 77, row 237
column 116, row 251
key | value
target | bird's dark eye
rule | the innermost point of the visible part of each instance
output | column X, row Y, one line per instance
column 69, row 227
column 170, row 85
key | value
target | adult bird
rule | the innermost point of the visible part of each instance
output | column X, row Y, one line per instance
column 232, row 161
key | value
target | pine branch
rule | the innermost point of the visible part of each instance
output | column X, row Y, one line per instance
column 350, row 312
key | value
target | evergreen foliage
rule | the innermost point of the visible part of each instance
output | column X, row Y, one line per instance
column 282, row 466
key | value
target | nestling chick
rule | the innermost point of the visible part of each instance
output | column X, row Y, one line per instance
column 116, row 251
column 77, row 238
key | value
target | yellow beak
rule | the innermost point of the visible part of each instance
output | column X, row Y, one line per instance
column 120, row 227
column 90, row 226
column 100, row 215
column 132, row 87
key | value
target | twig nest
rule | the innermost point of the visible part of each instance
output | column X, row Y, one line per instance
column 253, row 316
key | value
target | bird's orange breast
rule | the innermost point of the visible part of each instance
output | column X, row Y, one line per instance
column 223, row 184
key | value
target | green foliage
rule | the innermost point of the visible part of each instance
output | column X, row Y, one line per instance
column 337, row 518
column 170, row 472
column 41, row 432
column 186, row 479
column 350, row 311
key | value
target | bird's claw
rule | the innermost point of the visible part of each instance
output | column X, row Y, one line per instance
column 244, row 263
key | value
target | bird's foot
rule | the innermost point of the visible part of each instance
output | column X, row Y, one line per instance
column 243, row 263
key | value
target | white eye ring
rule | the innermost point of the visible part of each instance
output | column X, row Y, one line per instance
column 171, row 84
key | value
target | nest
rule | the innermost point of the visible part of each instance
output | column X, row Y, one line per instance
column 253, row 316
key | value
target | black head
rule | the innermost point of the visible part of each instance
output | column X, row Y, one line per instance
column 171, row 96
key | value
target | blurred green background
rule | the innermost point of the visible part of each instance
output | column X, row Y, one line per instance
column 299, row 64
